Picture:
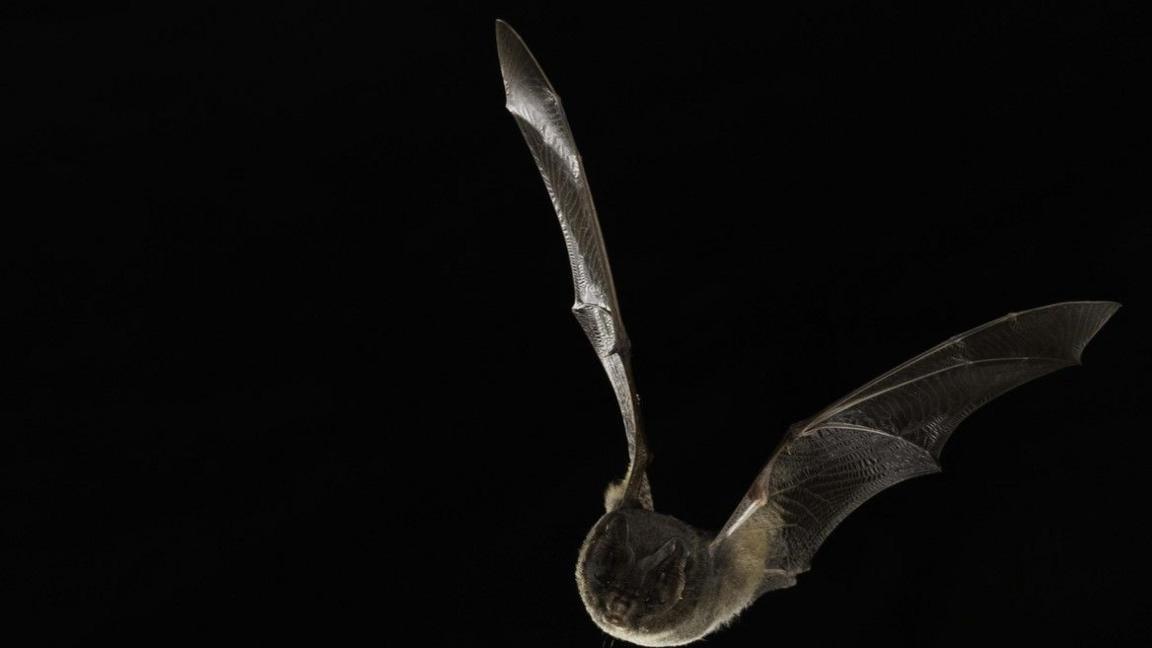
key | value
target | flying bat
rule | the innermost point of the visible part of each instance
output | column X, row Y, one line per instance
column 654, row 580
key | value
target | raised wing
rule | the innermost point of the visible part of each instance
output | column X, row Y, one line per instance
column 894, row 428
column 535, row 105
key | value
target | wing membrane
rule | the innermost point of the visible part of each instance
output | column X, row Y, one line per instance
column 534, row 103
column 894, row 427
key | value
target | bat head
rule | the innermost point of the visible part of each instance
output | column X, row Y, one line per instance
column 639, row 573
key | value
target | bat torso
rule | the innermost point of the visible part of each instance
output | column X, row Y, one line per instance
column 620, row 566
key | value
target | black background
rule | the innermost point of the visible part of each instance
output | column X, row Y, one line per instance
column 286, row 306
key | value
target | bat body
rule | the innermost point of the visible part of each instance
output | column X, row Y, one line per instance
column 653, row 580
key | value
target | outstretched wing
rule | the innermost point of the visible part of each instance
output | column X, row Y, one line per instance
column 535, row 105
column 894, row 428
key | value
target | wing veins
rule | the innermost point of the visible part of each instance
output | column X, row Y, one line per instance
column 824, row 416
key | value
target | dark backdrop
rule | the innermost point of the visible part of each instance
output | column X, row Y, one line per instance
column 287, row 303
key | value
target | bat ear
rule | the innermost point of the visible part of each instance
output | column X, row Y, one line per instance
column 667, row 560
column 671, row 550
column 613, row 546
column 617, row 530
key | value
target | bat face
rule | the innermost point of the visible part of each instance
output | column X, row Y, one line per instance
column 639, row 572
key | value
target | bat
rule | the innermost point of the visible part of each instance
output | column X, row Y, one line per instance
column 654, row 580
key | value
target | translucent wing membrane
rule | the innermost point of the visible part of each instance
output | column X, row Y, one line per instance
column 535, row 105
column 894, row 427
column 957, row 376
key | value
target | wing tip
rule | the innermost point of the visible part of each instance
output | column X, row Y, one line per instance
column 521, row 72
column 1109, row 306
column 1108, row 309
column 506, row 36
column 506, row 41
column 1112, row 307
column 1096, row 312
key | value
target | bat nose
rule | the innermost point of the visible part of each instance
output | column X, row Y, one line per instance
column 617, row 608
